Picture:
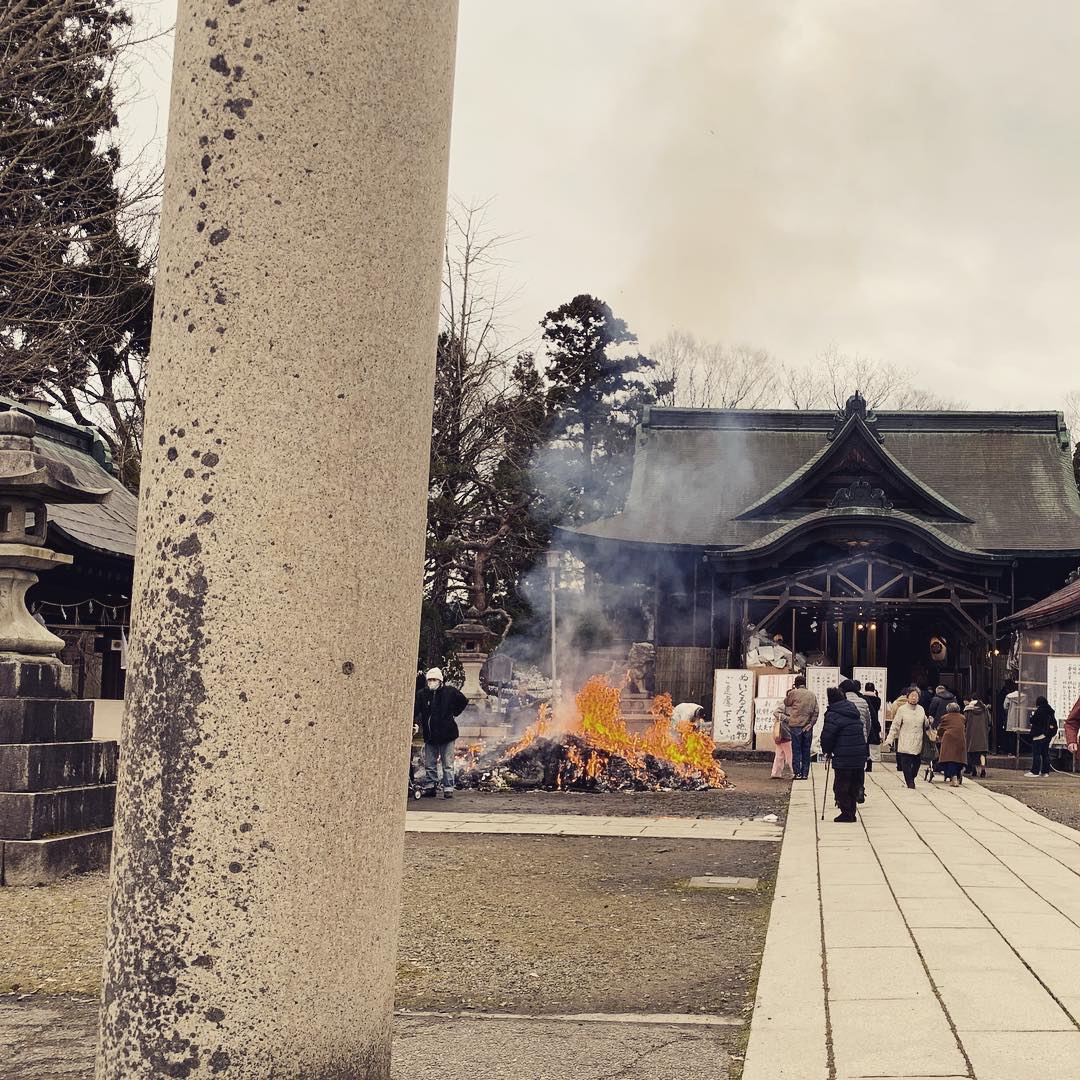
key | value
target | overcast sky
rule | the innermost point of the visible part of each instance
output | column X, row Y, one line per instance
column 900, row 180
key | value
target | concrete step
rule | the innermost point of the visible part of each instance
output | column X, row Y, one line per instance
column 34, row 815
column 42, row 862
column 27, row 678
column 39, row 720
column 43, row 766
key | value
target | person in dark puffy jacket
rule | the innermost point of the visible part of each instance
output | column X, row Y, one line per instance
column 843, row 738
column 1043, row 729
column 435, row 713
column 940, row 702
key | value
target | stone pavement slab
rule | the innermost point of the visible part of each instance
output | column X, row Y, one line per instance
column 944, row 940
column 672, row 828
column 55, row 1039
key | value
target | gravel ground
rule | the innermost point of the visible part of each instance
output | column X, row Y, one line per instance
column 1056, row 796
column 51, row 938
column 580, row 924
column 517, row 924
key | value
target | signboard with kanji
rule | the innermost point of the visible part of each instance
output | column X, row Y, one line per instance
column 764, row 710
column 818, row 680
column 1062, row 688
column 879, row 676
column 733, row 702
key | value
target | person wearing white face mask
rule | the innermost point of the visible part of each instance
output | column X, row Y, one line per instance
column 435, row 713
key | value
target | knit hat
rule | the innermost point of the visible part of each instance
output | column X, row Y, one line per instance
column 434, row 673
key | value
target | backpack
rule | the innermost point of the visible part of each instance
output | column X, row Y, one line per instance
column 1051, row 727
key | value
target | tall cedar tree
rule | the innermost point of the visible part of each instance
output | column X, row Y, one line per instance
column 595, row 396
column 75, row 294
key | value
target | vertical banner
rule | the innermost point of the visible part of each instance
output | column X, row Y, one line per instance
column 1062, row 689
column 879, row 676
column 771, row 690
column 818, row 680
column 733, row 701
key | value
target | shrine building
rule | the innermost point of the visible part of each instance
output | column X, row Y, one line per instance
column 899, row 540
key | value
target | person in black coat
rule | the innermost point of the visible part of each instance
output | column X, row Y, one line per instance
column 873, row 700
column 843, row 738
column 1043, row 729
column 435, row 713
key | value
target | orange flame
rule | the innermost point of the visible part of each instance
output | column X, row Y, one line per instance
column 599, row 722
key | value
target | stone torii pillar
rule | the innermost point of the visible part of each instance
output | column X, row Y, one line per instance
column 260, row 818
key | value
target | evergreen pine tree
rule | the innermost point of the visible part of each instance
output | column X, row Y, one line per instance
column 596, row 392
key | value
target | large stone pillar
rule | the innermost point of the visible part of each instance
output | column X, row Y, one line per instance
column 258, row 845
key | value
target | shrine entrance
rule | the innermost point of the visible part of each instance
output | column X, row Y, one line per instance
column 875, row 610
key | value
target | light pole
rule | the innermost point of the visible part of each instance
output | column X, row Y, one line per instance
column 553, row 569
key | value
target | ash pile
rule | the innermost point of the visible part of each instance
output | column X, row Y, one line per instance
column 594, row 751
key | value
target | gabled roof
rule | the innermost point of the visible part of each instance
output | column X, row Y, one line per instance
column 107, row 527
column 697, row 472
column 1057, row 607
column 854, row 440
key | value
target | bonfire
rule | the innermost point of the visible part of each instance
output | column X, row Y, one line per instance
column 588, row 747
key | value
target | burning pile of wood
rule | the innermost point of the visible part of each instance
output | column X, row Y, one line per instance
column 590, row 749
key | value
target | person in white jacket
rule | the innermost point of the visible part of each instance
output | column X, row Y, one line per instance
column 906, row 734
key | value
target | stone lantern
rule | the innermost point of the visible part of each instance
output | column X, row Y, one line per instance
column 27, row 480
column 474, row 642
column 56, row 782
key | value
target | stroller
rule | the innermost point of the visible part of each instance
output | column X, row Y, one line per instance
column 417, row 768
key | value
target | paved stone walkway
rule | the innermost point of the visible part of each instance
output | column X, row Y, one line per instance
column 938, row 937
column 673, row 828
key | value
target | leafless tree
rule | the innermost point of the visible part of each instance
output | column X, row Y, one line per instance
column 712, row 375
column 75, row 227
column 488, row 417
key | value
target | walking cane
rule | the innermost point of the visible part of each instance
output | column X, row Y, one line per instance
column 825, row 793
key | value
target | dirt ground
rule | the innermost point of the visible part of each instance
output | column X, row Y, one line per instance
column 1056, row 796
column 530, row 923
column 580, row 924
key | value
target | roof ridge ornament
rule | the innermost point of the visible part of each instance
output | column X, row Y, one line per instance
column 856, row 406
column 861, row 493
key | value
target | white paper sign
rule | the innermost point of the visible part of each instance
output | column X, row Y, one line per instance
column 818, row 680
column 879, row 676
column 1062, row 688
column 764, row 707
column 774, row 686
column 733, row 702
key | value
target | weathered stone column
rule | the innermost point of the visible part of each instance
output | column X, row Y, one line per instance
column 258, row 847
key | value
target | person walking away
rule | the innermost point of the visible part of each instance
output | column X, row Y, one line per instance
column 1072, row 731
column 802, row 713
column 844, row 739
column 977, row 733
column 1043, row 729
column 850, row 689
column 940, row 702
column 906, row 734
column 873, row 739
column 781, row 733
column 435, row 712
column 952, row 745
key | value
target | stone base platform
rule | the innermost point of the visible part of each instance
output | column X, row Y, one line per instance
column 42, row 862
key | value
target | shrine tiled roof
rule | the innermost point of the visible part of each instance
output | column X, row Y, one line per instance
column 108, row 526
column 699, row 474
column 1057, row 607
